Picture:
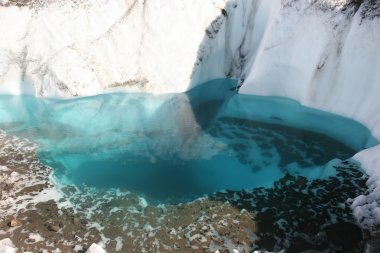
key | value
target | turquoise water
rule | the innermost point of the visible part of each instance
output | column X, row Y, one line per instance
column 181, row 146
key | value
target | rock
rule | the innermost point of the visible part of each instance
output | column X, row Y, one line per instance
column 76, row 221
column 14, row 223
column 7, row 246
column 54, row 228
column 373, row 245
column 346, row 235
column 2, row 224
column 95, row 248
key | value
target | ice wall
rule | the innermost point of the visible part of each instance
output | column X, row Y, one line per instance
column 323, row 54
column 66, row 48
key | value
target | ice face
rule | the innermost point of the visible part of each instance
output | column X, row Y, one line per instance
column 178, row 146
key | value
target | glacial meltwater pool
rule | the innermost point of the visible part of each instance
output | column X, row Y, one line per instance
column 178, row 147
column 205, row 170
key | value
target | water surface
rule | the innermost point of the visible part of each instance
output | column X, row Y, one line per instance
column 179, row 146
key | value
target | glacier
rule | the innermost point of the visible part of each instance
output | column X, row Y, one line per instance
column 324, row 54
column 319, row 53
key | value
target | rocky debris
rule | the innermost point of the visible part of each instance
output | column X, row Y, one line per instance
column 14, row 223
column 294, row 214
column 53, row 228
column 22, row 178
column 344, row 236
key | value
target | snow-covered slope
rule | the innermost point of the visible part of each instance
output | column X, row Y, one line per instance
column 322, row 53
column 67, row 48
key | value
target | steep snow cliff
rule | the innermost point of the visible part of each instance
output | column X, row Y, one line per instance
column 322, row 53
column 69, row 48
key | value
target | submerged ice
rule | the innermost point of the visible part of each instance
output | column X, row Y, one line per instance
column 178, row 146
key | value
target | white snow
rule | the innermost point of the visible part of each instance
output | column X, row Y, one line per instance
column 95, row 248
column 11, row 200
column 320, row 65
column 4, row 168
column 67, row 49
column 36, row 237
column 142, row 202
column 78, row 248
column 119, row 243
column 366, row 207
column 7, row 246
